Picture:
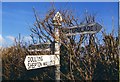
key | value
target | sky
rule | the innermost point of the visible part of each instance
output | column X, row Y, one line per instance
column 18, row 17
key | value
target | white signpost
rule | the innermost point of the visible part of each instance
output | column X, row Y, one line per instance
column 40, row 61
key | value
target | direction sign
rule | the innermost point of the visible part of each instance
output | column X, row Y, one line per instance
column 40, row 47
column 40, row 61
column 38, row 50
column 82, row 29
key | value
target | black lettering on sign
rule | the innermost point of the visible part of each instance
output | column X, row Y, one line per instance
column 75, row 30
column 40, row 58
column 32, row 59
column 91, row 28
column 85, row 28
column 28, row 59
column 88, row 28
column 39, row 64
column 45, row 63
column 31, row 65
column 78, row 29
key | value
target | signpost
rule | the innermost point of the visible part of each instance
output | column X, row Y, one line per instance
column 40, row 61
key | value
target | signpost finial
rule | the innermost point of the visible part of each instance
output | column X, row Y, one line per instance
column 57, row 19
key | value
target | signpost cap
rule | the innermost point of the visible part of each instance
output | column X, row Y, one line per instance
column 57, row 19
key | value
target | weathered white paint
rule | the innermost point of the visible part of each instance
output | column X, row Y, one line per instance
column 40, row 61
